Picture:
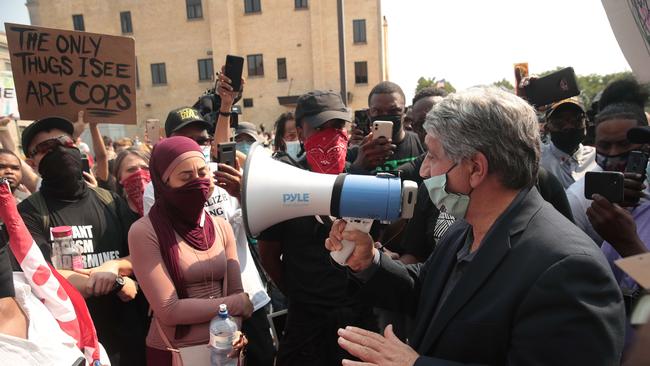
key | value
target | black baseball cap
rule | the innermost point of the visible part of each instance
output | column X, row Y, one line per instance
column 319, row 106
column 44, row 124
column 182, row 117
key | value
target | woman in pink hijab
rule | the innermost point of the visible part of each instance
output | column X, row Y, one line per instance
column 185, row 260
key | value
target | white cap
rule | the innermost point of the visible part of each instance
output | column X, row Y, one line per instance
column 223, row 308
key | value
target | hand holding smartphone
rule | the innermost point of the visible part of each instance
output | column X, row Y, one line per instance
column 607, row 184
column 382, row 129
column 233, row 70
column 227, row 153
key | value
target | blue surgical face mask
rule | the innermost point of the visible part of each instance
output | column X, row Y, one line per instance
column 206, row 153
column 455, row 204
column 244, row 147
column 293, row 148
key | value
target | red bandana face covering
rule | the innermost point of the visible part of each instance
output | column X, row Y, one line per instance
column 134, row 187
column 326, row 151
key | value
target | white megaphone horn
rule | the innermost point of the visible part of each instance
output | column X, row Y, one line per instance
column 273, row 192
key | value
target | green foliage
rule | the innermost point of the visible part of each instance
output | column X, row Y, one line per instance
column 431, row 82
column 505, row 84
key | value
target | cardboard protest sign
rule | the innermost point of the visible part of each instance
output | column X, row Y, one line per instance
column 59, row 72
column 630, row 21
column 8, row 101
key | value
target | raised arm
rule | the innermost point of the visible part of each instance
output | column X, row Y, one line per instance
column 101, row 156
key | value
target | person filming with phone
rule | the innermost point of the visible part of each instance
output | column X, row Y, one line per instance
column 621, row 109
column 513, row 281
column 386, row 102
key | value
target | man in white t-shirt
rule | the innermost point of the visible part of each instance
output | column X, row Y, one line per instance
column 565, row 156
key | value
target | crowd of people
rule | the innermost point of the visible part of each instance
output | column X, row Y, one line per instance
column 505, row 260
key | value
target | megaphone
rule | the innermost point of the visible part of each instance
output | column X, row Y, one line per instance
column 273, row 192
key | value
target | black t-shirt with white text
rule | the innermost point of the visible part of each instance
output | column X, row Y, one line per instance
column 102, row 232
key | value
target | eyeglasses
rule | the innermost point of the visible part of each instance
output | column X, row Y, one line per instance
column 203, row 141
column 50, row 144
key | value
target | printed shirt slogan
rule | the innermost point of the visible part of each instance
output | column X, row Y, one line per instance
column 82, row 235
column 59, row 72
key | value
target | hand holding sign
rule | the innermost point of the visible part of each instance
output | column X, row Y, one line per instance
column 59, row 72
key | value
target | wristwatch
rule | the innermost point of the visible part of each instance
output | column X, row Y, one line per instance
column 119, row 283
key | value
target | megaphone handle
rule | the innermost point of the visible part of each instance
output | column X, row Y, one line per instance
column 363, row 225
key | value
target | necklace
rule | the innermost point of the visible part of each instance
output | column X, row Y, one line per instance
column 205, row 279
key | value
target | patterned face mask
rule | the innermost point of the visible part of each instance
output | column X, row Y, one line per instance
column 134, row 187
column 326, row 151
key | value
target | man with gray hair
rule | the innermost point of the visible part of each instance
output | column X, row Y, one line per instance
column 513, row 281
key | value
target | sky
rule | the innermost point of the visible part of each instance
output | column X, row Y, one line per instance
column 476, row 42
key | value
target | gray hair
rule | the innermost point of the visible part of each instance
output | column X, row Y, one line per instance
column 498, row 124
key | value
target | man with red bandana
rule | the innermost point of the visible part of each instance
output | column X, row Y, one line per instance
column 320, row 298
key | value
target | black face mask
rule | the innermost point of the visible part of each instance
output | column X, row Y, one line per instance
column 61, row 172
column 568, row 140
column 395, row 118
column 6, row 274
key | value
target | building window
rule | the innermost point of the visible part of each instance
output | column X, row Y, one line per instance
column 302, row 4
column 125, row 20
column 248, row 102
column 282, row 68
column 194, row 10
column 78, row 22
column 359, row 30
column 252, row 6
column 255, row 65
column 206, row 70
column 158, row 74
column 361, row 72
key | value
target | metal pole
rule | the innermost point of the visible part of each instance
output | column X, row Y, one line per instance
column 342, row 71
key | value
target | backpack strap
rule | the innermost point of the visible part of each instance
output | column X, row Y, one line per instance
column 105, row 196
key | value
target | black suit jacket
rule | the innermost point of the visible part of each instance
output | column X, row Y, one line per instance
column 538, row 292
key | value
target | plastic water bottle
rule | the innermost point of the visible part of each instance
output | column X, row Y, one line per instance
column 222, row 332
column 65, row 253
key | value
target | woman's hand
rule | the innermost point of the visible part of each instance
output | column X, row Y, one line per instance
column 239, row 343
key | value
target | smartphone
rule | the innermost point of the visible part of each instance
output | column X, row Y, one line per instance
column 636, row 162
column 235, row 111
column 382, row 129
column 552, row 88
column 362, row 121
column 607, row 184
column 152, row 126
column 85, row 164
column 233, row 70
column 227, row 153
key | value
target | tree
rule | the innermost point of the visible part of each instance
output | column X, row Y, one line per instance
column 432, row 82
column 504, row 83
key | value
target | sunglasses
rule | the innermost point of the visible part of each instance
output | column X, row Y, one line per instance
column 49, row 145
column 202, row 141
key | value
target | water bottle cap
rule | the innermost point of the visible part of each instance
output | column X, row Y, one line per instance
column 223, row 308
column 61, row 231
